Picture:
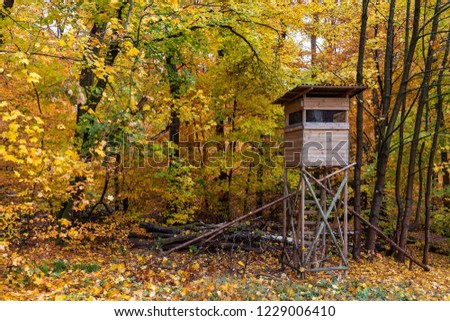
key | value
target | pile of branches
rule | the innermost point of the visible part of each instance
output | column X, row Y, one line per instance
column 201, row 236
column 216, row 236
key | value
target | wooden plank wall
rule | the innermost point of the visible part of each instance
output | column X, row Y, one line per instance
column 325, row 147
column 316, row 147
column 326, row 103
column 293, row 140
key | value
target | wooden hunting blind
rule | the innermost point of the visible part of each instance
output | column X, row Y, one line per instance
column 316, row 128
column 316, row 139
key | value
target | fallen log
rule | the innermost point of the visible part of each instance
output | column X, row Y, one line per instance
column 177, row 239
column 141, row 243
column 157, row 235
column 231, row 247
column 211, row 234
column 150, row 227
column 167, row 238
column 134, row 235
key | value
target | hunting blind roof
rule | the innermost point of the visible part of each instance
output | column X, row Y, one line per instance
column 319, row 91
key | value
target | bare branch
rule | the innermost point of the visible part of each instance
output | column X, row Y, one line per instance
column 32, row 53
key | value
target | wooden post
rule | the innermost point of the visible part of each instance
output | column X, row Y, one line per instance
column 346, row 219
column 302, row 219
column 285, row 192
column 323, row 201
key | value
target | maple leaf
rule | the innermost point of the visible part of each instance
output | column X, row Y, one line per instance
column 33, row 77
column 133, row 52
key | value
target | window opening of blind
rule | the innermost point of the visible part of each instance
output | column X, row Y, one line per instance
column 295, row 118
column 325, row 116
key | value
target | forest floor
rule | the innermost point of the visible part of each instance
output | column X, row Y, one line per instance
column 116, row 272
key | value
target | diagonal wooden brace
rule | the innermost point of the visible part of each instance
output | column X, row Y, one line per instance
column 325, row 219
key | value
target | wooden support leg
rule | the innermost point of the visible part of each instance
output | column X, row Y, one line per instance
column 285, row 209
column 302, row 220
column 346, row 219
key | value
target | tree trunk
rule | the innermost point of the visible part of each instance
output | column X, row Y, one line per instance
column 429, row 179
column 223, row 175
column 415, row 141
column 313, row 43
column 446, row 177
column 416, row 222
column 247, row 187
column 175, row 92
column 93, row 88
column 7, row 6
column 313, row 49
column 260, row 192
column 398, row 172
column 359, row 132
column 260, row 172
column 116, row 173
column 383, row 147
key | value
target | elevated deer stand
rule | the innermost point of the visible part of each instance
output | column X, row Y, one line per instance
column 316, row 147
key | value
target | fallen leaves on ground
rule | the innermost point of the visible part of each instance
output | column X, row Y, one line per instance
column 118, row 273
